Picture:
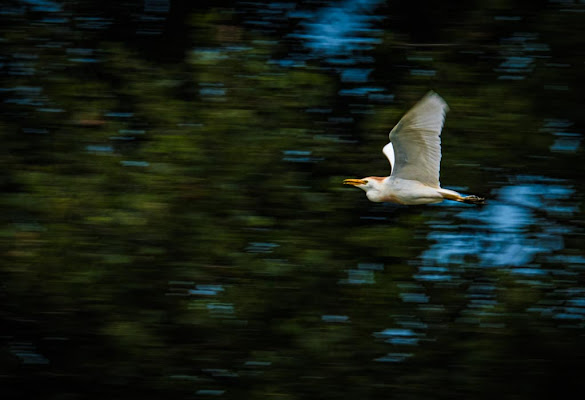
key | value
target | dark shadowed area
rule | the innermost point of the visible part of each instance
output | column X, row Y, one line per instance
column 174, row 224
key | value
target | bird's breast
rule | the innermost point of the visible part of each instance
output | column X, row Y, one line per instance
column 389, row 199
column 409, row 192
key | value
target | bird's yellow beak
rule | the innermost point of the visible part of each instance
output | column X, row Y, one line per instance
column 355, row 182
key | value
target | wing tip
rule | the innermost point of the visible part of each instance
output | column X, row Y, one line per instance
column 435, row 97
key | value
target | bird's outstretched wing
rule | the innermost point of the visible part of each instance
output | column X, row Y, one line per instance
column 417, row 141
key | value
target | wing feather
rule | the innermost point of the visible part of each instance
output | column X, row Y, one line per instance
column 417, row 141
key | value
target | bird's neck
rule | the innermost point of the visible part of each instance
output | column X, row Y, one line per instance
column 378, row 191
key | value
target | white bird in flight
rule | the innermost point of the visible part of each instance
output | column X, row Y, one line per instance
column 416, row 164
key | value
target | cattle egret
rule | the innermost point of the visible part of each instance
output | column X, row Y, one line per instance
column 415, row 166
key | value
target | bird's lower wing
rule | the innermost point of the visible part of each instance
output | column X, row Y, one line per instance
column 388, row 151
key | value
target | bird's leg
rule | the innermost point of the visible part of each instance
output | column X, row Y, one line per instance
column 473, row 199
column 453, row 195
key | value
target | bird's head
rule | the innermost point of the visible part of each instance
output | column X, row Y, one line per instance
column 372, row 185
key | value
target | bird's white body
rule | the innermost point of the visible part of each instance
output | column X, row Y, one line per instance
column 417, row 160
column 404, row 191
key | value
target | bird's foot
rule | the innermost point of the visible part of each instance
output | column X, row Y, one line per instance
column 473, row 199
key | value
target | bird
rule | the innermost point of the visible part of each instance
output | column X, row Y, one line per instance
column 414, row 153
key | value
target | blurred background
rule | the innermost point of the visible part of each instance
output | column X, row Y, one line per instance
column 174, row 224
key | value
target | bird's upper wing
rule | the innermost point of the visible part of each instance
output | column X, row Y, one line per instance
column 417, row 141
